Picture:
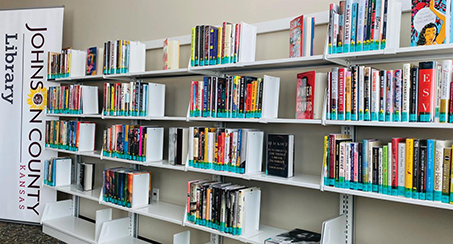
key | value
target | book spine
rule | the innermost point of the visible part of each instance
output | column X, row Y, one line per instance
column 406, row 86
column 397, row 95
column 446, row 175
column 331, row 162
column 377, row 25
column 375, row 181
column 375, row 95
column 347, row 26
column 382, row 94
column 367, row 94
column 355, row 93
column 348, row 95
column 341, row 93
column 334, row 94
column 328, row 95
column 450, row 114
column 341, row 22
column 389, row 93
column 373, row 25
column 426, row 93
column 422, row 180
column 341, row 165
column 409, row 167
column 361, row 93
column 445, row 90
column 354, row 28
column 438, row 170
column 430, row 155
column 361, row 19
column 437, row 92
column 384, row 20
column 413, row 104
column 416, row 170
column 192, row 48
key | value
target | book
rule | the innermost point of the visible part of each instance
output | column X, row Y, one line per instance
column 296, row 236
column 171, row 54
column 86, row 174
column 280, row 155
column 296, row 38
column 310, row 94
column 94, row 61
column 430, row 22
column 426, row 91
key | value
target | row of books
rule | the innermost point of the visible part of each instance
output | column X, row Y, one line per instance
column 230, row 97
column 126, row 142
column 117, row 56
column 70, row 99
column 410, row 167
column 68, row 63
column 126, row 187
column 413, row 94
column 57, row 171
column 229, row 43
column 70, row 135
column 302, row 35
column 85, row 176
column 126, row 99
column 220, row 206
column 357, row 25
column 221, row 149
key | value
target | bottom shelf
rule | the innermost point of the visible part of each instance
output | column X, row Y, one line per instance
column 70, row 229
column 127, row 240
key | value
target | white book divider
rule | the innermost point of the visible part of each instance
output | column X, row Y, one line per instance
column 77, row 63
column 182, row 238
column 90, row 102
column 137, row 57
column 247, row 46
column 58, row 220
column 156, row 100
column 62, row 172
column 393, row 26
column 154, row 144
column 86, row 133
column 333, row 231
column 140, row 192
column 252, row 205
column 271, row 91
column 254, row 151
column 115, row 230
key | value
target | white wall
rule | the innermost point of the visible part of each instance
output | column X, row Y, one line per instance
column 90, row 23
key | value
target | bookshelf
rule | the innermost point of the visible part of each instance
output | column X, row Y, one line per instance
column 171, row 212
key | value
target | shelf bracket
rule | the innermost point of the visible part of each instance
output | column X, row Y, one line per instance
column 215, row 239
column 133, row 224
column 347, row 208
column 350, row 130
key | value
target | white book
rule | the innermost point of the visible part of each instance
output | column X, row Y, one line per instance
column 438, row 166
column 227, row 41
column 371, row 144
column 406, row 88
column 361, row 92
column 347, row 164
column 191, row 144
column 389, row 165
column 380, row 167
column 234, row 149
column 378, row 22
column 347, row 24
column 100, row 61
column 232, row 39
column 375, row 95
column 307, row 42
column 438, row 92
column 445, row 90
column 211, row 143
column 382, row 95
column 401, row 164
column 335, row 28
column 342, row 160
column 89, row 101
column 360, row 22
column 389, row 95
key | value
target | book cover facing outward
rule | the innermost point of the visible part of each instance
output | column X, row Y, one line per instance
column 304, row 95
column 280, row 155
column 296, row 37
column 91, row 64
column 296, row 236
column 430, row 22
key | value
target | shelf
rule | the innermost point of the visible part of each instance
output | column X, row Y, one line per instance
column 70, row 229
column 217, row 172
column 265, row 233
column 75, row 115
column 73, row 190
column 80, row 78
column 391, row 124
column 302, row 180
column 216, row 232
column 237, row 120
column 127, row 240
column 93, row 154
column 162, row 73
column 390, row 198
column 164, row 165
column 123, row 160
column 292, row 121
column 163, row 211
column 112, row 205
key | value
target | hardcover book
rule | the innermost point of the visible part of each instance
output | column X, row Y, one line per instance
column 310, row 94
column 430, row 22
column 296, row 37
column 280, row 155
column 85, row 180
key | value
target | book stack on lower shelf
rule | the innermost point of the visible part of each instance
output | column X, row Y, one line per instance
column 72, row 99
column 406, row 167
column 57, row 171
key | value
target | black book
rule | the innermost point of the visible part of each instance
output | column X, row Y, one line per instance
column 179, row 142
column 359, row 163
column 296, row 236
column 416, row 171
column 280, row 155
column 421, row 182
column 242, row 96
column 260, row 95
column 354, row 91
column 197, row 31
column 413, row 98
column 375, row 158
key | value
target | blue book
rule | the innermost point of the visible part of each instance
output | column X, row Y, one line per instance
column 54, row 168
column 205, row 96
column 347, row 26
column 365, row 163
column 355, row 7
column 46, row 164
column 378, row 19
column 431, row 150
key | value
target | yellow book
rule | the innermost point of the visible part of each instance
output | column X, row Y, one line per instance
column 409, row 164
column 112, row 99
column 206, row 130
column 67, row 99
column 192, row 48
column 348, row 97
column 324, row 163
column 219, row 48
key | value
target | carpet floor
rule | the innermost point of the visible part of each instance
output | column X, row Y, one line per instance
column 24, row 234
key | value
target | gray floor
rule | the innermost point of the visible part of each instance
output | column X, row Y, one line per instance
column 24, row 234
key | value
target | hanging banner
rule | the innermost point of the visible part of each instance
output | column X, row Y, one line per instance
column 26, row 36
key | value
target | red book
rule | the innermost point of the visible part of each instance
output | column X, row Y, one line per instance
column 237, row 43
column 341, row 92
column 192, row 85
column 395, row 160
column 305, row 95
column 332, row 156
column 248, row 102
column 426, row 90
column 296, row 37
column 451, row 103
column 105, row 97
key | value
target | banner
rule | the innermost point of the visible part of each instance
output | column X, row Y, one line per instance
column 26, row 36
